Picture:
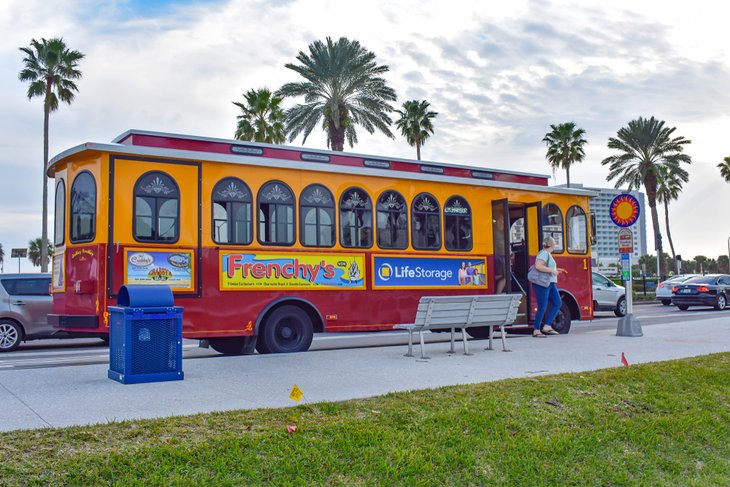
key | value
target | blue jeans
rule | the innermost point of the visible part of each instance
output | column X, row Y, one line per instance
column 543, row 295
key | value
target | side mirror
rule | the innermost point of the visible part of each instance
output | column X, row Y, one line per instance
column 593, row 228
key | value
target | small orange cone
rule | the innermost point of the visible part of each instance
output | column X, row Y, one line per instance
column 623, row 360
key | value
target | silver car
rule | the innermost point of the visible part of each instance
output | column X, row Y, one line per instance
column 25, row 301
column 608, row 296
column 664, row 289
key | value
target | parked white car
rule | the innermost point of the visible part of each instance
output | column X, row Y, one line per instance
column 664, row 289
column 608, row 296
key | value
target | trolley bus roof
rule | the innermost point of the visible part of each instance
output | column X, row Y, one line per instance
column 158, row 144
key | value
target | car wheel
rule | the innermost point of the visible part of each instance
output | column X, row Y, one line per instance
column 666, row 302
column 11, row 334
column 721, row 302
column 683, row 307
column 620, row 307
column 288, row 329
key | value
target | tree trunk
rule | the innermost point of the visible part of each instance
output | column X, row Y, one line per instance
column 567, row 173
column 418, row 151
column 650, row 186
column 44, row 229
column 669, row 234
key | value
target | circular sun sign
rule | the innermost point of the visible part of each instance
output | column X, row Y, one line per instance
column 624, row 210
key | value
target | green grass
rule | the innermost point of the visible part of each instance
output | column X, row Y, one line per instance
column 655, row 424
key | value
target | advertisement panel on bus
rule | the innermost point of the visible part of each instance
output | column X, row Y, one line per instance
column 428, row 272
column 242, row 270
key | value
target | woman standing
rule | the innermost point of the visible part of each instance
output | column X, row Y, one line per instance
column 546, row 263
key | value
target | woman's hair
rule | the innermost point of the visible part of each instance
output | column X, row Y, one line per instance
column 548, row 242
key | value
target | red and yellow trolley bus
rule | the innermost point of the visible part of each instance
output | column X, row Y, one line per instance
column 264, row 245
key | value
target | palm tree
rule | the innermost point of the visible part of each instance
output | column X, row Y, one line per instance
column 34, row 252
column 669, row 185
column 645, row 145
column 343, row 88
column 50, row 68
column 261, row 119
column 2, row 258
column 565, row 146
column 725, row 169
column 415, row 123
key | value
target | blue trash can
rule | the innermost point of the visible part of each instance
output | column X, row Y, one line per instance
column 145, row 335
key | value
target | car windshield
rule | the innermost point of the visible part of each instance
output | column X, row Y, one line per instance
column 702, row 280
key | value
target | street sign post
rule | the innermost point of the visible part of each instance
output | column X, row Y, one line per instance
column 624, row 211
column 625, row 241
column 20, row 254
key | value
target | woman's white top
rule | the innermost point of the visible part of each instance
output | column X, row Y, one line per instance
column 545, row 256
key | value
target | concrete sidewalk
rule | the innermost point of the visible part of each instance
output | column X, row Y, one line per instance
column 65, row 396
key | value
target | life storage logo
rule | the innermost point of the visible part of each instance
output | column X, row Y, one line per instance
column 384, row 272
column 419, row 272
column 290, row 271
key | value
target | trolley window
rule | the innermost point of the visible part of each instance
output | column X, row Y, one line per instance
column 156, row 208
column 232, row 212
column 356, row 219
column 317, row 217
column 577, row 229
column 59, row 214
column 457, row 224
column 426, row 222
column 83, row 208
column 552, row 225
column 392, row 216
column 276, row 214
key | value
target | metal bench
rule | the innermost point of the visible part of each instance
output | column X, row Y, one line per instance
column 462, row 312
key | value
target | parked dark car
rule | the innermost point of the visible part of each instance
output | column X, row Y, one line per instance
column 710, row 290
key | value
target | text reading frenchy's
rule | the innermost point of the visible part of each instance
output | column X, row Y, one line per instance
column 289, row 270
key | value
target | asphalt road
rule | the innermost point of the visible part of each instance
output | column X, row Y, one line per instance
column 74, row 352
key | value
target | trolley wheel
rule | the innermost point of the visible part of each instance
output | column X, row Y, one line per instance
column 233, row 345
column 287, row 329
column 721, row 302
column 478, row 332
column 620, row 307
column 561, row 323
column 11, row 334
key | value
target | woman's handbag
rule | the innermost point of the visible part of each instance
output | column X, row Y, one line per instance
column 536, row 277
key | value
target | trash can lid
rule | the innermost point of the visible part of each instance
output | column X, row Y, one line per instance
column 145, row 295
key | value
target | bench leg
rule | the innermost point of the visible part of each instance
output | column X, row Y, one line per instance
column 491, row 330
column 420, row 333
column 504, row 339
column 463, row 339
column 451, row 350
column 410, row 344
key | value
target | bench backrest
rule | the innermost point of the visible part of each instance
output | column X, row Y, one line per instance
column 473, row 310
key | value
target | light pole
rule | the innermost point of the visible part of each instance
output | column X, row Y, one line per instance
column 728, row 254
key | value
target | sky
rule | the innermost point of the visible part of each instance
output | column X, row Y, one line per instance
column 497, row 73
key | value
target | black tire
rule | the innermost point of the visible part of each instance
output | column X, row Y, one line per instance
column 683, row 307
column 620, row 307
column 720, row 302
column 561, row 323
column 666, row 302
column 287, row 329
column 233, row 345
column 11, row 334
column 478, row 332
